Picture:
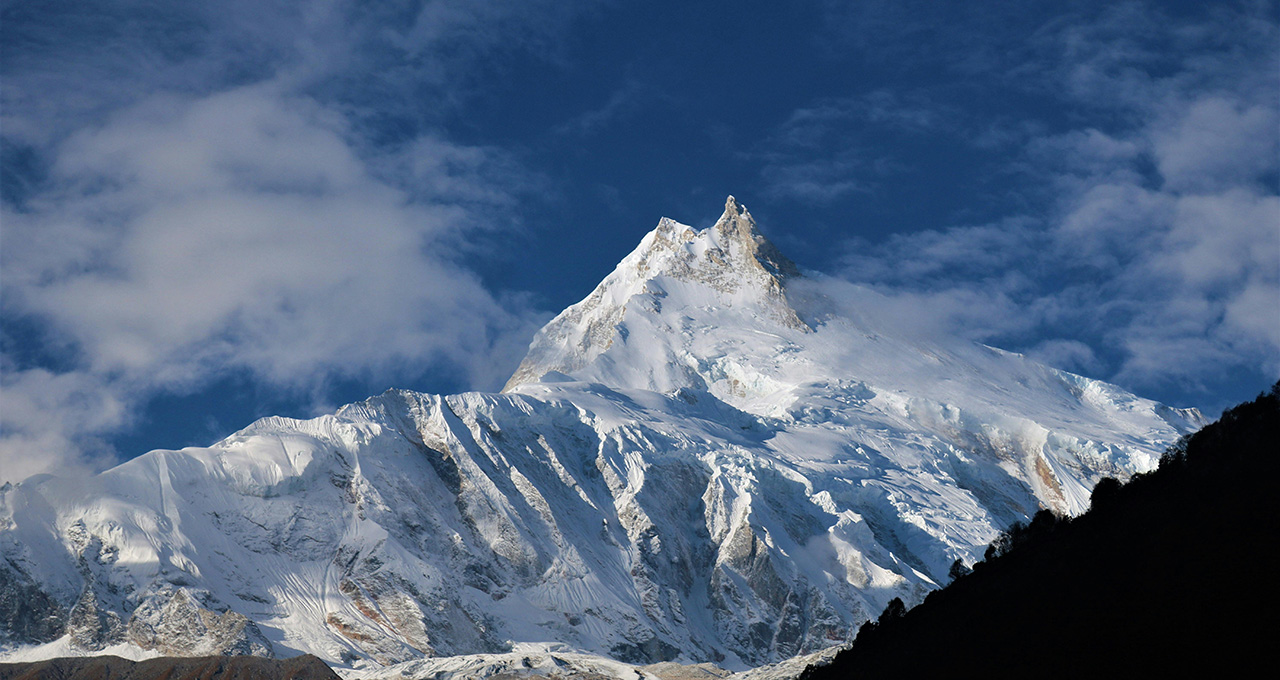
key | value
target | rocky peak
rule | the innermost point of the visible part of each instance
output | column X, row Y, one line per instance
column 730, row 254
column 707, row 484
column 737, row 226
column 732, row 260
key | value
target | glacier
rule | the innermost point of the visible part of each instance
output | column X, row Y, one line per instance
column 713, row 458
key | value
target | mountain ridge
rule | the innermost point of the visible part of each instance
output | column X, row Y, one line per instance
column 685, row 470
column 304, row 667
column 729, row 255
column 1140, row 586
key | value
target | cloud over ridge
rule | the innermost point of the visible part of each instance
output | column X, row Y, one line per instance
column 302, row 196
column 1148, row 250
column 217, row 215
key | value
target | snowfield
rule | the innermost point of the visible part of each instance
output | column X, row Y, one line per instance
column 711, row 458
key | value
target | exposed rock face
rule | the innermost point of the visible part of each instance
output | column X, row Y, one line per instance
column 304, row 667
column 28, row 614
column 717, row 464
column 173, row 623
column 731, row 258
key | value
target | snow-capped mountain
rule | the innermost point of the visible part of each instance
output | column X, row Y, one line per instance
column 710, row 458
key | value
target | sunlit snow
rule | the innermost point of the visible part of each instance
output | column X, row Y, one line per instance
column 710, row 459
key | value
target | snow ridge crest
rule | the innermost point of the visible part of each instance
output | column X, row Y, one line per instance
column 708, row 485
column 731, row 259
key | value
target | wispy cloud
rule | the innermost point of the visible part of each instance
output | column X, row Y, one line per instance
column 624, row 102
column 825, row 151
column 1152, row 254
column 208, row 190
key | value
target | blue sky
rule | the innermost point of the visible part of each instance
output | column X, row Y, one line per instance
column 217, row 211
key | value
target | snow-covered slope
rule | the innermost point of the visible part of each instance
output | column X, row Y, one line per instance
column 710, row 458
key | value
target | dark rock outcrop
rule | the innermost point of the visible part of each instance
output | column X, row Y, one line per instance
column 28, row 615
column 304, row 667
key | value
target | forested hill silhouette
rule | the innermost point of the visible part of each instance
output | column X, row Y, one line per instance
column 1174, row 572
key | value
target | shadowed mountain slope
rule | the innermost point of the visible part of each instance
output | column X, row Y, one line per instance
column 305, row 667
column 1172, row 573
column 711, row 458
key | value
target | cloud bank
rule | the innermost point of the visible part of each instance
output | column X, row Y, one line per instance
column 192, row 193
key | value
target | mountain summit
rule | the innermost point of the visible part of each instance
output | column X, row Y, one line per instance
column 710, row 458
column 729, row 264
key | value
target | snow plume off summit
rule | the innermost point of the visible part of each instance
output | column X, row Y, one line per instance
column 710, row 458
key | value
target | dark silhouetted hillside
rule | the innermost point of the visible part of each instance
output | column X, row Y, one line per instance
column 1173, row 573
column 305, row 667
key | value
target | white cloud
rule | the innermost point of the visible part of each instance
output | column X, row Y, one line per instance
column 1216, row 142
column 1251, row 321
column 242, row 216
column 236, row 231
column 209, row 202
column 820, row 181
column 1157, row 259
column 627, row 100
column 821, row 152
column 1071, row 355
column 48, row 420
